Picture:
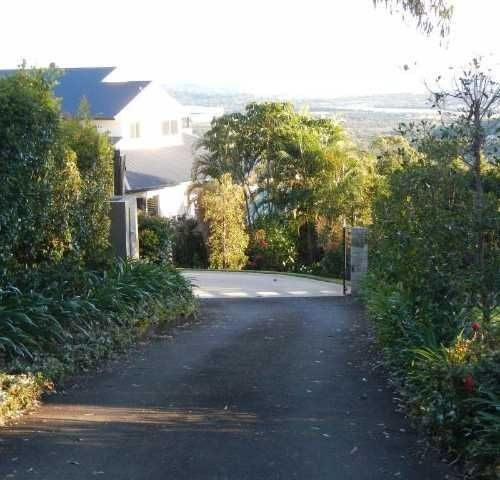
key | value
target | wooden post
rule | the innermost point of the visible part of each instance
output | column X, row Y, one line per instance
column 119, row 174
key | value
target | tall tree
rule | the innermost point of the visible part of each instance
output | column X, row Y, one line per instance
column 241, row 144
column 477, row 94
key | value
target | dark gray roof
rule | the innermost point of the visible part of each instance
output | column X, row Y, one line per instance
column 106, row 99
column 151, row 169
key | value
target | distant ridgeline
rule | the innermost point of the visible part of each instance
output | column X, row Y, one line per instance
column 365, row 117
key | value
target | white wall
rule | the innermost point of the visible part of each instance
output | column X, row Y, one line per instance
column 173, row 201
column 150, row 109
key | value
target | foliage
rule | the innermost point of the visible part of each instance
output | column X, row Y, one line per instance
column 19, row 393
column 49, row 307
column 222, row 204
column 332, row 263
column 94, row 160
column 292, row 165
column 155, row 238
column 189, row 249
column 40, row 178
column 64, row 303
column 428, row 13
column 426, row 290
column 272, row 245
column 434, row 283
column 61, row 320
column 58, row 178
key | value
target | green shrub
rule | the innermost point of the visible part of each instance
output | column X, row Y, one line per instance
column 425, row 294
column 332, row 263
column 69, row 319
column 221, row 204
column 188, row 246
column 94, row 160
column 272, row 245
column 155, row 238
column 40, row 179
column 61, row 303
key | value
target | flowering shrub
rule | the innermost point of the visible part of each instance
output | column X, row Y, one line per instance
column 272, row 246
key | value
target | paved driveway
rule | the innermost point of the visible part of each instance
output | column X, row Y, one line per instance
column 255, row 389
column 257, row 285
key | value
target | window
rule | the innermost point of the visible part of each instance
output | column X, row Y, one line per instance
column 135, row 130
column 142, row 204
column 153, row 205
column 165, row 128
column 174, row 127
column 186, row 122
column 170, row 127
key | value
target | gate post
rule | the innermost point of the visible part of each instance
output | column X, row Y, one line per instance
column 359, row 258
column 123, row 215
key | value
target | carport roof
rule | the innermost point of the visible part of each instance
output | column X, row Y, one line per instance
column 152, row 169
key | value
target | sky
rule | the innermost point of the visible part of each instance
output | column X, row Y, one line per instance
column 306, row 48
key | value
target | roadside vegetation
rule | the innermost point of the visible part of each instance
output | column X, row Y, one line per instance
column 434, row 278
column 66, row 303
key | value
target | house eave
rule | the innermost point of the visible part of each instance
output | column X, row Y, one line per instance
column 150, row 189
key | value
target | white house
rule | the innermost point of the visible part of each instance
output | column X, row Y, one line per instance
column 149, row 127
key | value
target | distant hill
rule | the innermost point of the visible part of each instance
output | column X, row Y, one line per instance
column 365, row 117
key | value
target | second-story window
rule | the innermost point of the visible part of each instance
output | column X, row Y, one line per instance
column 170, row 127
column 165, row 128
column 174, row 127
column 135, row 130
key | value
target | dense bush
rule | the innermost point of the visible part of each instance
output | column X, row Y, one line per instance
column 425, row 293
column 51, row 309
column 332, row 263
column 63, row 320
column 221, row 204
column 272, row 245
column 155, row 238
column 57, row 178
column 40, row 179
column 94, row 160
column 292, row 165
column 189, row 249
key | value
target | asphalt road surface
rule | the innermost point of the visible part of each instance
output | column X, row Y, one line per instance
column 255, row 388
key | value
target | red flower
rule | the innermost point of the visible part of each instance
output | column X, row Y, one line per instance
column 476, row 326
column 469, row 383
